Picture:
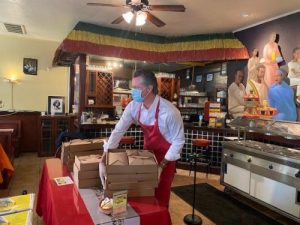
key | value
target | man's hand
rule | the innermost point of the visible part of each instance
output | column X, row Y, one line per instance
column 102, row 169
column 102, row 173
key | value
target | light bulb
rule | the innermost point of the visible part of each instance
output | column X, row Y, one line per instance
column 128, row 16
column 140, row 18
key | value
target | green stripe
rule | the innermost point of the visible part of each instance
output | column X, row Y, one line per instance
column 126, row 34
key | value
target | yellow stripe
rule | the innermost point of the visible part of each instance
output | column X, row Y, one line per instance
column 255, row 91
column 155, row 47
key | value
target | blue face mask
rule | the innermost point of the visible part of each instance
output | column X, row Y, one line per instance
column 137, row 95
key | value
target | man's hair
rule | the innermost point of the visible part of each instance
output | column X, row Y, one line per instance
column 296, row 49
column 260, row 65
column 148, row 79
column 237, row 70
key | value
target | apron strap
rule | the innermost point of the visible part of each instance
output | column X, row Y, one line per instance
column 156, row 111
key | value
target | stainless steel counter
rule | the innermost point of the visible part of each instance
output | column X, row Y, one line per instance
column 266, row 173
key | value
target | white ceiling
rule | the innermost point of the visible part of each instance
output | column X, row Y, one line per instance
column 54, row 19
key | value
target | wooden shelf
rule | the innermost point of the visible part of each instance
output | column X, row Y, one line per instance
column 100, row 106
column 191, row 107
column 193, row 96
column 123, row 92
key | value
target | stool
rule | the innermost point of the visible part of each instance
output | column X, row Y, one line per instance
column 192, row 219
column 127, row 140
column 204, row 155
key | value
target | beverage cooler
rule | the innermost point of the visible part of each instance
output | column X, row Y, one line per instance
column 266, row 173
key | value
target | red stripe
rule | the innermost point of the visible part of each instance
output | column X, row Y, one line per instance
column 172, row 56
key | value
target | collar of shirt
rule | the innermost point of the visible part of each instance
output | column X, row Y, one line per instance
column 153, row 105
column 148, row 115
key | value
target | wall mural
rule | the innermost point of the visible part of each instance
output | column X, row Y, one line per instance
column 270, row 91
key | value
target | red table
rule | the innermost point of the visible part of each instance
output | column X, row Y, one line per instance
column 62, row 205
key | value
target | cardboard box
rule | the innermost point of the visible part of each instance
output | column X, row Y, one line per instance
column 80, row 174
column 111, row 178
column 141, row 160
column 113, row 166
column 87, row 183
column 83, row 153
column 140, row 178
column 117, row 158
column 132, row 185
column 134, row 192
column 79, row 145
column 89, row 162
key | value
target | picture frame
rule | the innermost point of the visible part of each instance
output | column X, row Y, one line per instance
column 30, row 66
column 56, row 105
column 199, row 78
column 209, row 77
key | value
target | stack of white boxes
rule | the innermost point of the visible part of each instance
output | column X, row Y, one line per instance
column 80, row 148
column 133, row 170
column 86, row 171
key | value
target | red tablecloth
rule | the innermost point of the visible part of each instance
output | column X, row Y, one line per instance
column 5, row 164
column 62, row 205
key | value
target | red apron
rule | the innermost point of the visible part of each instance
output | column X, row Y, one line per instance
column 155, row 141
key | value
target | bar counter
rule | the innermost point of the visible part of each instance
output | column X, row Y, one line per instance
column 191, row 131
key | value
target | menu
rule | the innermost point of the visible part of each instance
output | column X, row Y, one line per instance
column 20, row 218
column 16, row 204
column 60, row 181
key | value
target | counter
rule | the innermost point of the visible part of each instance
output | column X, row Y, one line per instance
column 191, row 131
column 268, row 174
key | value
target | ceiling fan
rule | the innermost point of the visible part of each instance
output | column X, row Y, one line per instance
column 141, row 9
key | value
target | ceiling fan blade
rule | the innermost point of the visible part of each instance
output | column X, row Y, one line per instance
column 172, row 8
column 102, row 4
column 118, row 20
column 153, row 19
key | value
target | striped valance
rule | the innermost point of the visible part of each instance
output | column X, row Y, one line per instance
column 96, row 40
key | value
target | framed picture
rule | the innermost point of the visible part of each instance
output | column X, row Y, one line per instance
column 30, row 66
column 209, row 77
column 56, row 105
column 199, row 78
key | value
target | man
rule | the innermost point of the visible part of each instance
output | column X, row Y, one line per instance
column 236, row 92
column 257, row 84
column 281, row 97
column 162, row 127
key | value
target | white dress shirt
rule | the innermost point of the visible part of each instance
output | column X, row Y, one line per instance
column 169, row 121
column 236, row 102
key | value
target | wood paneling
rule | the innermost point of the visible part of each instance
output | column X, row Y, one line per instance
column 30, row 134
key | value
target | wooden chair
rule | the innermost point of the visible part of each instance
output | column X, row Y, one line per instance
column 16, row 134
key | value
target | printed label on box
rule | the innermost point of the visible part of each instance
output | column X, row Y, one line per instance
column 120, row 204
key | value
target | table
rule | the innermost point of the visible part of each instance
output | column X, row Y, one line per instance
column 63, row 205
column 5, row 164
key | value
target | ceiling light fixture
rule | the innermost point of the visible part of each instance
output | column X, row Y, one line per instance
column 128, row 16
column 141, row 18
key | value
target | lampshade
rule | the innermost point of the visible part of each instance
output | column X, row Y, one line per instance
column 140, row 18
column 128, row 16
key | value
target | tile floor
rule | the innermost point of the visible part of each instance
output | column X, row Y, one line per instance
column 28, row 169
